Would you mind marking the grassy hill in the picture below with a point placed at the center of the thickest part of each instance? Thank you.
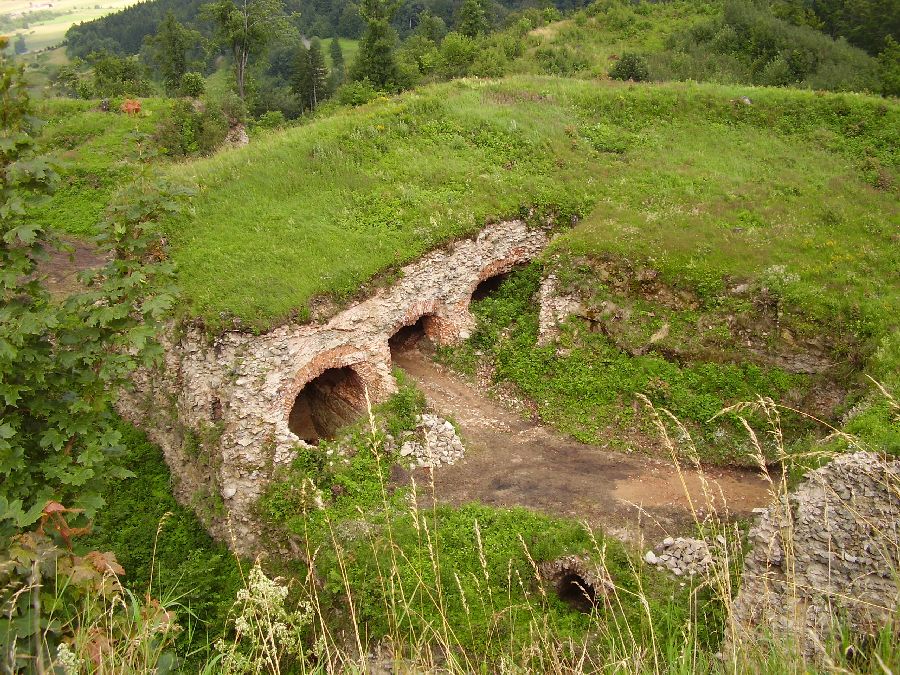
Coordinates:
(325, 207)
(730, 41)
(95, 153)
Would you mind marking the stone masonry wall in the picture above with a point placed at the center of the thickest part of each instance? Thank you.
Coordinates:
(220, 411)
(829, 552)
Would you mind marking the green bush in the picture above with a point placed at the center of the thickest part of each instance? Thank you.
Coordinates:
(193, 85)
(748, 43)
(355, 93)
(630, 67)
(191, 130)
(271, 119)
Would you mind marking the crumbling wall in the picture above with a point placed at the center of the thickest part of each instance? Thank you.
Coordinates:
(221, 410)
(829, 552)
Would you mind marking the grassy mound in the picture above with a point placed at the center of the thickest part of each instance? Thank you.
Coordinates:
(324, 208)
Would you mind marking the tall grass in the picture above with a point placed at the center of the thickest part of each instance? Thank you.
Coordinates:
(615, 640)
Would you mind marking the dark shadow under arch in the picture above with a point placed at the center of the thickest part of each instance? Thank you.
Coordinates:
(326, 403)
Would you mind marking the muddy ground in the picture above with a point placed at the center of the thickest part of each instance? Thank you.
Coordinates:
(511, 461)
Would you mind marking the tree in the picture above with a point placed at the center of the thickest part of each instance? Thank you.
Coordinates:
(116, 75)
(472, 20)
(169, 50)
(337, 64)
(310, 75)
(246, 27)
(62, 362)
(376, 60)
(889, 68)
(431, 27)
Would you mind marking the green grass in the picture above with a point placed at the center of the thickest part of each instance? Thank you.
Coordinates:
(325, 207)
(186, 565)
(419, 571)
(95, 153)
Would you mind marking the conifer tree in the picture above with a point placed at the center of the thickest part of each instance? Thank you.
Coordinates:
(310, 76)
(376, 60)
(337, 64)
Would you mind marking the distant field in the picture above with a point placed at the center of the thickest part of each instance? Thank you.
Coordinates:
(51, 31)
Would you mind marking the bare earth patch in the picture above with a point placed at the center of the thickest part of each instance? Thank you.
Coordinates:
(511, 461)
(60, 271)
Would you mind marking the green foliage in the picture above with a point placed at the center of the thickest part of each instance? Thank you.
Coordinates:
(192, 85)
(376, 60)
(116, 76)
(403, 408)
(630, 67)
(338, 69)
(587, 386)
(246, 29)
(273, 119)
(162, 545)
(169, 50)
(889, 67)
(753, 44)
(61, 364)
(472, 19)
(356, 93)
(310, 76)
(185, 130)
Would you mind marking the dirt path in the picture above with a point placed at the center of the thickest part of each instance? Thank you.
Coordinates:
(61, 269)
(514, 462)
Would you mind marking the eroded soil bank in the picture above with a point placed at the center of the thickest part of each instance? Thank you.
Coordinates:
(511, 461)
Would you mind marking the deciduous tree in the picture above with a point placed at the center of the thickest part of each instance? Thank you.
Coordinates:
(246, 27)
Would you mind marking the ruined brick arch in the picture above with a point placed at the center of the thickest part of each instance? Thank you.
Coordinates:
(435, 319)
(330, 389)
(496, 270)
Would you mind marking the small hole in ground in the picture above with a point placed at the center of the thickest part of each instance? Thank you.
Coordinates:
(325, 404)
(576, 592)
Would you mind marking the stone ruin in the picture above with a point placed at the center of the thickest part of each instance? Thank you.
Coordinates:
(830, 552)
(578, 581)
(433, 443)
(228, 411)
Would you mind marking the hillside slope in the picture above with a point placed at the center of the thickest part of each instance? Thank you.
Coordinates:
(323, 208)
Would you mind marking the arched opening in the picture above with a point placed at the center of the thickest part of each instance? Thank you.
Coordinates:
(576, 592)
(412, 336)
(326, 403)
(487, 287)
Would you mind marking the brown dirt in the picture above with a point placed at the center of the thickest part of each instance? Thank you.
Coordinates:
(60, 270)
(511, 461)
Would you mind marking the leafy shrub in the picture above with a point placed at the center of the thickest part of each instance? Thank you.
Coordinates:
(193, 85)
(630, 67)
(889, 68)
(189, 130)
(359, 92)
(458, 53)
(755, 46)
(271, 119)
(561, 60)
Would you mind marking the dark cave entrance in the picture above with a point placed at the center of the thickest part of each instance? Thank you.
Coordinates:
(326, 403)
(491, 285)
(576, 592)
(412, 336)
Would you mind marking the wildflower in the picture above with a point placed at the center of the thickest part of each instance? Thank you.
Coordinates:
(67, 660)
